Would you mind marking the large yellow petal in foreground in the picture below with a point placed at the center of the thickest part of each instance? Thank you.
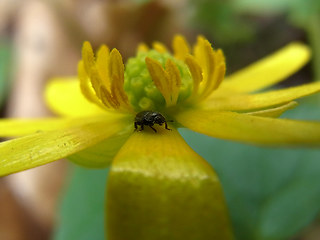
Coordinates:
(251, 129)
(157, 191)
(102, 154)
(269, 70)
(261, 100)
(44, 147)
(64, 97)
(21, 127)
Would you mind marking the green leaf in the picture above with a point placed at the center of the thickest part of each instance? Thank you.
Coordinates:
(271, 193)
(300, 11)
(220, 20)
(5, 60)
(81, 210)
(262, 6)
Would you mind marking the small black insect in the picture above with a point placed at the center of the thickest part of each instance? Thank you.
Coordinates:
(149, 118)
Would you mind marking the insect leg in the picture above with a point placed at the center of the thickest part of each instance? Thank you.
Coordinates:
(153, 128)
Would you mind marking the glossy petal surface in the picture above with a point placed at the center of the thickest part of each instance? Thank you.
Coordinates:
(275, 111)
(157, 191)
(251, 129)
(269, 70)
(20, 127)
(64, 97)
(261, 100)
(101, 154)
(44, 147)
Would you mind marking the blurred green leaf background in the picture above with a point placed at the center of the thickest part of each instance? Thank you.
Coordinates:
(5, 66)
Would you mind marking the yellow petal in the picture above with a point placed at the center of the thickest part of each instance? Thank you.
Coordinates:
(180, 47)
(274, 112)
(64, 97)
(262, 100)
(102, 154)
(251, 129)
(159, 188)
(44, 147)
(269, 70)
(21, 127)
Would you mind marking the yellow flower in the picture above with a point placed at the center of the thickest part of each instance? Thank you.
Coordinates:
(158, 186)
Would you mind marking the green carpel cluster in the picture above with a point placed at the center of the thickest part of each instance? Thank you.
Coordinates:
(141, 90)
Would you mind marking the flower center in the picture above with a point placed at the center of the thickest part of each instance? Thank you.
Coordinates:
(141, 90)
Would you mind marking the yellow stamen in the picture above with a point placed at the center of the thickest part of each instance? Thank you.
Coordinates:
(168, 81)
(142, 47)
(88, 57)
(107, 99)
(180, 47)
(85, 85)
(161, 48)
(196, 73)
(102, 63)
(95, 80)
(213, 84)
(106, 75)
(175, 80)
(117, 76)
(219, 75)
(205, 56)
(159, 77)
(213, 67)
